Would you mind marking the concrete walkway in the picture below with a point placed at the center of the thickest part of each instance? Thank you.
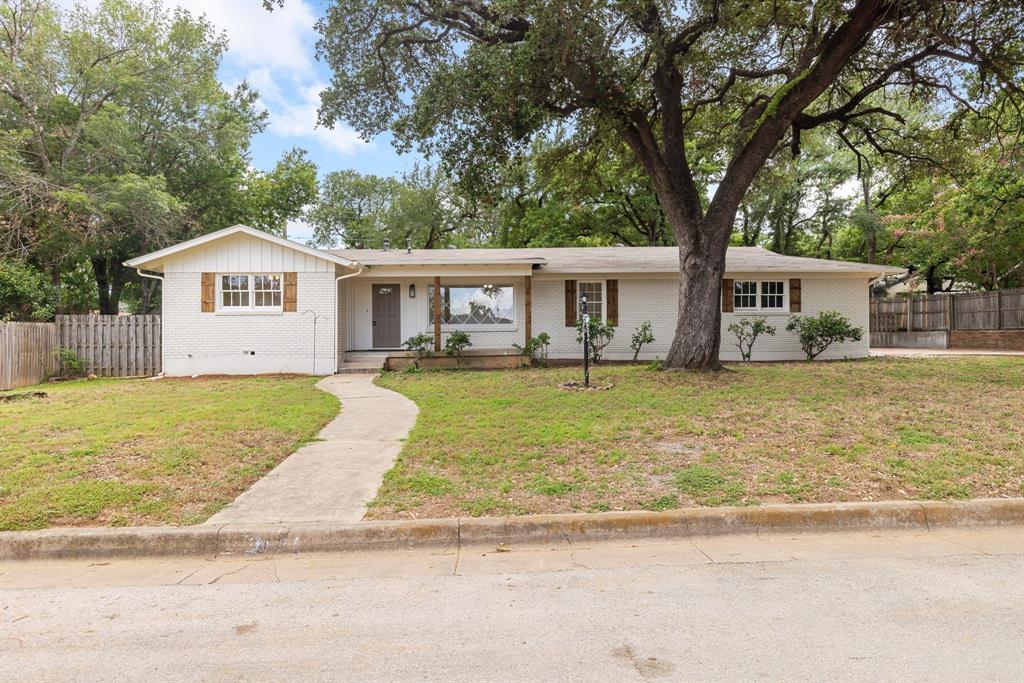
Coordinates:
(332, 480)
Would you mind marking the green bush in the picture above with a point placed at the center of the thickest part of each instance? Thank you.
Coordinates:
(818, 332)
(25, 293)
(420, 344)
(747, 331)
(601, 334)
(536, 347)
(642, 335)
(71, 365)
(456, 343)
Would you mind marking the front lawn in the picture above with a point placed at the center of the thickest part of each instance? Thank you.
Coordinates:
(171, 451)
(512, 442)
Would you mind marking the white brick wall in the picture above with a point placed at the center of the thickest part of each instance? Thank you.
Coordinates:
(656, 300)
(213, 343)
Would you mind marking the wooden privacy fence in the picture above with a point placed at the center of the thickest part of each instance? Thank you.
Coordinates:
(105, 345)
(28, 353)
(112, 345)
(1001, 309)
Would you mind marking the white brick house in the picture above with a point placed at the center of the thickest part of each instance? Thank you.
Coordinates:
(240, 301)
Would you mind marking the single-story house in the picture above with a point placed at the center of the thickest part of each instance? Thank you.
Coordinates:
(243, 301)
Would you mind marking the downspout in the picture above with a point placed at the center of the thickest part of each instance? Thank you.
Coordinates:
(359, 271)
(161, 279)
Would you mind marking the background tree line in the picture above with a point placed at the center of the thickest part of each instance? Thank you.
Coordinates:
(952, 213)
(118, 139)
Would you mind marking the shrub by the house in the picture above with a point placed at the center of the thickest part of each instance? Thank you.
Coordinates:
(642, 335)
(420, 345)
(818, 332)
(601, 333)
(536, 347)
(455, 344)
(747, 331)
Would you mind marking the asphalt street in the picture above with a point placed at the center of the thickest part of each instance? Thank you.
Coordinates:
(852, 606)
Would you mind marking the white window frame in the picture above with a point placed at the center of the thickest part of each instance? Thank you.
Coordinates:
(758, 293)
(604, 298)
(474, 327)
(252, 307)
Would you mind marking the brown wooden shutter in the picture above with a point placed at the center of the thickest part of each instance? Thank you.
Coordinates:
(290, 293)
(208, 296)
(612, 290)
(570, 303)
(726, 295)
(794, 295)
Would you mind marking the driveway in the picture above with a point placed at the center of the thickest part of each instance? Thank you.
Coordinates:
(927, 353)
(332, 479)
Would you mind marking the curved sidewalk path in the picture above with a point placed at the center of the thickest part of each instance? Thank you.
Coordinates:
(333, 479)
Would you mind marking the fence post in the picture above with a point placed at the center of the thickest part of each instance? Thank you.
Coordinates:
(910, 313)
(999, 309)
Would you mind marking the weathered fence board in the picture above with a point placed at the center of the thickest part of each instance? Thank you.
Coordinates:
(996, 310)
(977, 312)
(113, 346)
(1012, 309)
(999, 310)
(28, 353)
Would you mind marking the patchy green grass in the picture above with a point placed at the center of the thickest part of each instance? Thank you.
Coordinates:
(124, 452)
(512, 442)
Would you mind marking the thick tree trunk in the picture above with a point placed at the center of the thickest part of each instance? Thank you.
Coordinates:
(148, 289)
(110, 278)
(698, 326)
(933, 281)
(55, 280)
(117, 282)
(99, 271)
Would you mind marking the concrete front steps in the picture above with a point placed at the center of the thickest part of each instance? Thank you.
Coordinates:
(359, 362)
(360, 367)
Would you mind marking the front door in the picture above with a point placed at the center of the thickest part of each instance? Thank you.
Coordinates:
(387, 319)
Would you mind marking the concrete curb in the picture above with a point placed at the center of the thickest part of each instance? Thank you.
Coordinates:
(257, 539)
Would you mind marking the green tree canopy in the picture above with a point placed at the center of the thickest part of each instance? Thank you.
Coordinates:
(703, 92)
(119, 139)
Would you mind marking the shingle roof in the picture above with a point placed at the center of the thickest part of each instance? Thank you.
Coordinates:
(153, 258)
(605, 259)
(431, 257)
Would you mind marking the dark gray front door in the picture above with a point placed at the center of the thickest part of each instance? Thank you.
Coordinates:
(387, 319)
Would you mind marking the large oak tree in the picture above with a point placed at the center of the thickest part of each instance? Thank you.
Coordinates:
(685, 84)
(116, 138)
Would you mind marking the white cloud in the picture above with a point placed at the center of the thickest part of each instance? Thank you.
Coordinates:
(299, 230)
(275, 51)
(282, 39)
(296, 117)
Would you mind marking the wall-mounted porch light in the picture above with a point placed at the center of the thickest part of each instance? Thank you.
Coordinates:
(412, 291)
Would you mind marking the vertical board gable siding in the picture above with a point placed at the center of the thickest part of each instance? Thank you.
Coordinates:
(245, 254)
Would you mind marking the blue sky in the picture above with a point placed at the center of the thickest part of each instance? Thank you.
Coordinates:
(276, 53)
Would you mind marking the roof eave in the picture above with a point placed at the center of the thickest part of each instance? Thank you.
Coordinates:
(155, 258)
